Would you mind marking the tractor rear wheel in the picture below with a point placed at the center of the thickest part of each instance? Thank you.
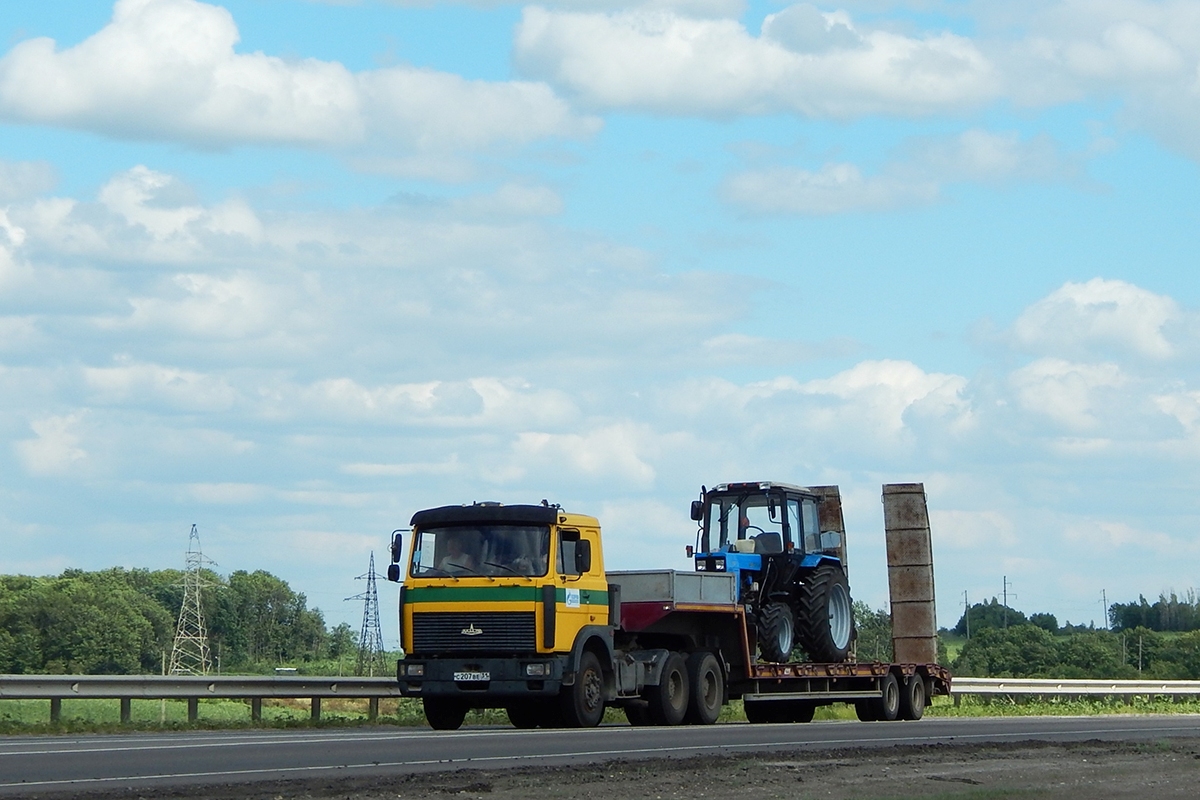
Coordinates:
(776, 632)
(825, 614)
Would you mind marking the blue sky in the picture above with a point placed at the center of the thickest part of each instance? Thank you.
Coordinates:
(292, 270)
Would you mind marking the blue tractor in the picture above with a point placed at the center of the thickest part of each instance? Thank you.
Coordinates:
(790, 572)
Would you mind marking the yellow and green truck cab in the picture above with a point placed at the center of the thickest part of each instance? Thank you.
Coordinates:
(501, 605)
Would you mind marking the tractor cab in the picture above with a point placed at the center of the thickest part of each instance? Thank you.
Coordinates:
(741, 523)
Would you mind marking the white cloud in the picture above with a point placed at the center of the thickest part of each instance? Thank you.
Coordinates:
(1099, 316)
(1064, 391)
(664, 62)
(22, 179)
(833, 189)
(916, 175)
(55, 450)
(169, 69)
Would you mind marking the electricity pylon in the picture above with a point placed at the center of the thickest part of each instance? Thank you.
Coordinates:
(370, 638)
(190, 654)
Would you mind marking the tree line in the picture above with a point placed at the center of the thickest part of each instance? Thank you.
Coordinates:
(1005, 643)
(122, 621)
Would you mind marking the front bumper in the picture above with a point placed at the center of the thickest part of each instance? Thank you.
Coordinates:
(507, 677)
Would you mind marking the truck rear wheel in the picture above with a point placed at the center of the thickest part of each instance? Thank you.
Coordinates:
(668, 702)
(776, 632)
(707, 683)
(583, 702)
(444, 713)
(825, 615)
(912, 698)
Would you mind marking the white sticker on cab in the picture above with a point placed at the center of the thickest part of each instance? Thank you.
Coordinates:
(572, 598)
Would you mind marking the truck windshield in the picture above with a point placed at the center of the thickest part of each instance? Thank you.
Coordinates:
(493, 550)
(747, 516)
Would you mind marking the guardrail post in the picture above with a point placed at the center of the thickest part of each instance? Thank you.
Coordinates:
(373, 709)
(316, 709)
(957, 699)
(193, 709)
(256, 709)
(126, 710)
(55, 710)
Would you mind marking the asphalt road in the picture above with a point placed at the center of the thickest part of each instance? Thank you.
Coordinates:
(66, 764)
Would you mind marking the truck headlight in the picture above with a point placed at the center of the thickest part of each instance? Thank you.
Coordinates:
(537, 670)
(414, 670)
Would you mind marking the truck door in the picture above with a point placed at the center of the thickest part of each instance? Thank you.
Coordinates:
(582, 587)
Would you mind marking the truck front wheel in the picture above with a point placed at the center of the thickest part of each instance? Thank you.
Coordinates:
(444, 713)
(668, 702)
(583, 703)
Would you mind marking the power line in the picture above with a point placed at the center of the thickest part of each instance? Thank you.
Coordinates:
(190, 654)
(370, 639)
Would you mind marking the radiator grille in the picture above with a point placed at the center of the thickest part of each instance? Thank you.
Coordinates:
(505, 631)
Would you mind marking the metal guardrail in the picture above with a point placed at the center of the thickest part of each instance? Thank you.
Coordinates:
(192, 688)
(1072, 687)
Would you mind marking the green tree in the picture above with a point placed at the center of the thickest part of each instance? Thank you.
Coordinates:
(874, 641)
(992, 614)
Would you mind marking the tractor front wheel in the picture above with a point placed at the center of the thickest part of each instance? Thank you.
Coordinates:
(776, 632)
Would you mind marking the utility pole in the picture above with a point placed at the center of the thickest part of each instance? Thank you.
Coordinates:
(967, 613)
(190, 654)
(370, 638)
(1006, 585)
(1104, 600)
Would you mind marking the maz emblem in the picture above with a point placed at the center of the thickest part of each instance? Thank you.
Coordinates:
(471, 630)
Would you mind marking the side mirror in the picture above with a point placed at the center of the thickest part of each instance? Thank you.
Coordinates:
(583, 556)
(697, 510)
(393, 574)
(772, 509)
(397, 547)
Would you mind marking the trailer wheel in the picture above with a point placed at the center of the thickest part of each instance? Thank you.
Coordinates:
(776, 632)
(801, 711)
(887, 707)
(444, 713)
(583, 703)
(865, 711)
(525, 715)
(707, 684)
(668, 702)
(825, 614)
(912, 699)
(760, 712)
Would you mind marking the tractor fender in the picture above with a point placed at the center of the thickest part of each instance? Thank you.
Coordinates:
(814, 560)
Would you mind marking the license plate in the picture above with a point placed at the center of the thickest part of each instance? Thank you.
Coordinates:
(472, 676)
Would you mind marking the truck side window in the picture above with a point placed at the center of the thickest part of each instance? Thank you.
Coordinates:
(565, 560)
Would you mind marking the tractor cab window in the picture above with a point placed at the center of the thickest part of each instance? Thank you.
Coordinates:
(812, 531)
(754, 518)
(474, 550)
